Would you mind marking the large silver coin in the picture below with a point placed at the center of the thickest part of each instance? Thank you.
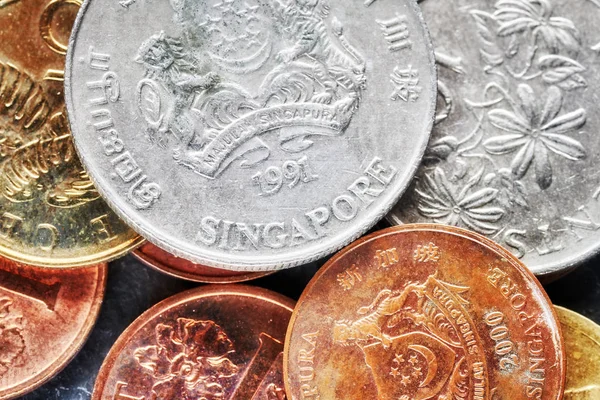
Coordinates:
(515, 154)
(251, 134)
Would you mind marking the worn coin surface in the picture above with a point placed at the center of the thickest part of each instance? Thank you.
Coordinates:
(211, 343)
(165, 262)
(582, 347)
(251, 135)
(45, 318)
(514, 153)
(50, 213)
(422, 312)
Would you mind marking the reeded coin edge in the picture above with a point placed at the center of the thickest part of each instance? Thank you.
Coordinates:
(51, 371)
(177, 300)
(291, 258)
(482, 240)
(190, 276)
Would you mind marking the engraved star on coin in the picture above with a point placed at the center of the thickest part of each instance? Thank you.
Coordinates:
(405, 380)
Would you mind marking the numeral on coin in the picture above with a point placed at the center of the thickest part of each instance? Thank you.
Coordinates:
(31, 288)
(266, 355)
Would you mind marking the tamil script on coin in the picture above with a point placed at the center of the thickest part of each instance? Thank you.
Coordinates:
(513, 155)
(255, 134)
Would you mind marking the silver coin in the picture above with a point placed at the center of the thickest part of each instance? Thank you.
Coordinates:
(514, 153)
(251, 134)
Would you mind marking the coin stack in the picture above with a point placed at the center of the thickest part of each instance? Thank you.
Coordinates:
(410, 173)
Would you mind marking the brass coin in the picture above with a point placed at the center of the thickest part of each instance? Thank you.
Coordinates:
(50, 212)
(45, 318)
(421, 312)
(582, 346)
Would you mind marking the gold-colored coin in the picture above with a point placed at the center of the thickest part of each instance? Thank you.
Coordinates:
(50, 212)
(582, 346)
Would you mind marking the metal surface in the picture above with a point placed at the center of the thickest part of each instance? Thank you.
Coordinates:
(165, 262)
(421, 312)
(251, 135)
(51, 215)
(45, 318)
(129, 282)
(214, 342)
(582, 346)
(514, 153)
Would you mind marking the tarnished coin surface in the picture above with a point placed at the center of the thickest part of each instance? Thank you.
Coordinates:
(165, 262)
(50, 213)
(251, 135)
(222, 342)
(45, 318)
(582, 347)
(514, 154)
(424, 312)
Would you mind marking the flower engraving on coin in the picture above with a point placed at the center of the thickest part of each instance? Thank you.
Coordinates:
(212, 120)
(464, 206)
(189, 361)
(528, 124)
(29, 161)
(533, 131)
(12, 342)
(411, 343)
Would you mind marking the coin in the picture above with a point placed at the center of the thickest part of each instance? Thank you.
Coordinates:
(513, 155)
(213, 342)
(251, 135)
(421, 312)
(165, 262)
(50, 213)
(45, 317)
(582, 346)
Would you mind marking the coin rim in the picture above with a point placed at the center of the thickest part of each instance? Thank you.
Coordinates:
(195, 277)
(72, 350)
(452, 230)
(293, 257)
(182, 298)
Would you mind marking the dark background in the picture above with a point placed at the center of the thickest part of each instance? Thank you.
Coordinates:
(133, 288)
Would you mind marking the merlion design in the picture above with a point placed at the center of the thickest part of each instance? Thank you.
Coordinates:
(417, 342)
(197, 97)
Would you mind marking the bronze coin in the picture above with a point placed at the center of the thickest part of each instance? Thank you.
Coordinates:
(424, 312)
(166, 262)
(212, 343)
(582, 345)
(45, 318)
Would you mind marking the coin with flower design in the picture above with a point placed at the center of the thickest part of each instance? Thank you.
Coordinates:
(513, 155)
(424, 312)
(211, 343)
(51, 214)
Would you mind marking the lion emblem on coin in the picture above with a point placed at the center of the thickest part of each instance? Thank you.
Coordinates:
(190, 360)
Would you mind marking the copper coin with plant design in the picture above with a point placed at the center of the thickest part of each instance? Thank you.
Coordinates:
(424, 312)
(168, 263)
(210, 343)
(50, 212)
(45, 317)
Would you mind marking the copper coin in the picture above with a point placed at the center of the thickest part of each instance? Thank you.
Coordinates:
(210, 343)
(45, 318)
(424, 312)
(166, 262)
(582, 344)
